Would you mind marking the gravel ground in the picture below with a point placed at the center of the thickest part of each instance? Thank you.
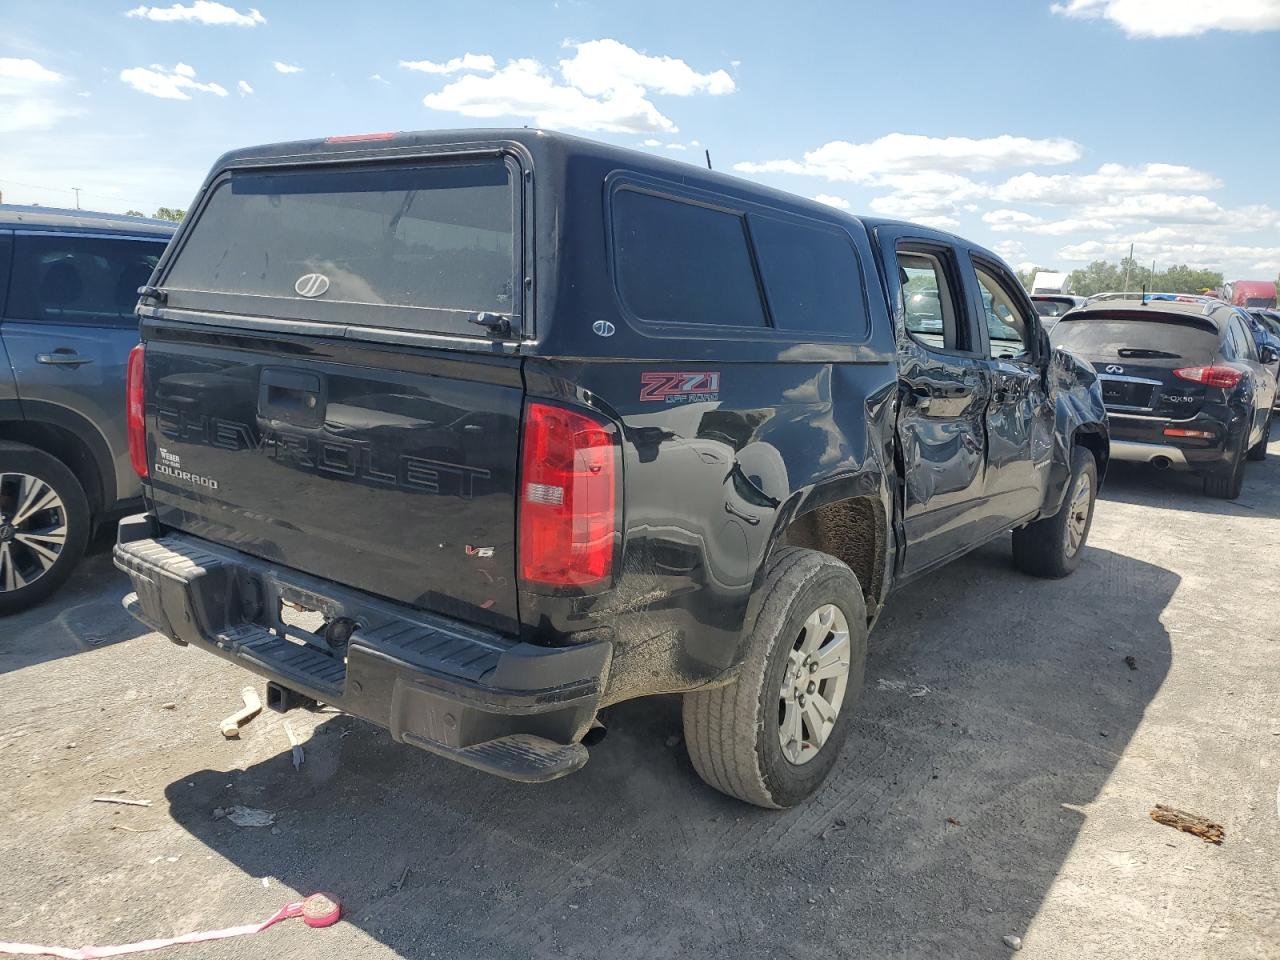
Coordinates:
(997, 783)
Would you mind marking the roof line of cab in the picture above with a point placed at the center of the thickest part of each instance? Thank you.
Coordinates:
(19, 215)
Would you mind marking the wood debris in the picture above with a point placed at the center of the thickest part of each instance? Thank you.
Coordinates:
(1206, 830)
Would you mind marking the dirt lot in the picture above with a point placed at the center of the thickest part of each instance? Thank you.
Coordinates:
(997, 782)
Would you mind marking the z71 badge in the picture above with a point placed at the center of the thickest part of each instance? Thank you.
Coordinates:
(680, 387)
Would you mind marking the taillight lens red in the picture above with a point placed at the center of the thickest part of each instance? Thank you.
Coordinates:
(568, 498)
(133, 405)
(1215, 376)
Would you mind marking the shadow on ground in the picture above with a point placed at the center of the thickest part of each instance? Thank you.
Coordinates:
(79, 617)
(948, 817)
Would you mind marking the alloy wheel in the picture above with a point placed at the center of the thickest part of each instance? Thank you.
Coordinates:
(33, 529)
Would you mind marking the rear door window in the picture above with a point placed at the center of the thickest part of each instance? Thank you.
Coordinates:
(424, 247)
(811, 277)
(677, 261)
(927, 300)
(79, 281)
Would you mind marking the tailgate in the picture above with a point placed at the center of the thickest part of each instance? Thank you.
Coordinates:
(391, 471)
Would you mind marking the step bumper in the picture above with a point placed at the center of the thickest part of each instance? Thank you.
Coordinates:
(513, 709)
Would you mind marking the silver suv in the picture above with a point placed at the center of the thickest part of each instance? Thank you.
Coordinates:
(68, 287)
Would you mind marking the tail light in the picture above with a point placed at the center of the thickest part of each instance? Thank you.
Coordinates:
(133, 406)
(1215, 376)
(569, 472)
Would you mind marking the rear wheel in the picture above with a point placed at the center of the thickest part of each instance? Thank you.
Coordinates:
(1053, 547)
(44, 525)
(1259, 450)
(1228, 484)
(771, 737)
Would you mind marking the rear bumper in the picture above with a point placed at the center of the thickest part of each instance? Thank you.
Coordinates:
(1142, 439)
(512, 709)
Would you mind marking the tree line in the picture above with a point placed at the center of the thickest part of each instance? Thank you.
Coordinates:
(164, 213)
(1127, 274)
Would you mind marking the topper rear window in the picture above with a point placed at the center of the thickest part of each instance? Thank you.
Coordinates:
(423, 247)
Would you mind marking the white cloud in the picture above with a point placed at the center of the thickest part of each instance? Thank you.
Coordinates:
(1213, 256)
(30, 96)
(897, 153)
(16, 68)
(840, 203)
(479, 62)
(607, 67)
(168, 84)
(1176, 18)
(244, 88)
(676, 146)
(604, 86)
(378, 78)
(525, 88)
(1159, 207)
(1109, 180)
(1060, 228)
(282, 67)
(1010, 221)
(1010, 250)
(1004, 220)
(650, 142)
(201, 11)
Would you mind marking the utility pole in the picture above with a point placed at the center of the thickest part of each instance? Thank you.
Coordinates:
(1127, 264)
(77, 190)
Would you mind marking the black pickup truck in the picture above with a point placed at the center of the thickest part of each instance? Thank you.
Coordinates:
(474, 434)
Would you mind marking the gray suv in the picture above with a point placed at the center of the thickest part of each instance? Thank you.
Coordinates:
(68, 287)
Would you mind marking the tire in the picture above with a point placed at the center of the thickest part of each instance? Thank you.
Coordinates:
(38, 550)
(735, 733)
(1052, 547)
(1228, 484)
(1258, 451)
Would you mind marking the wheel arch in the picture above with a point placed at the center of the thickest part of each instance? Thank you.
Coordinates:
(81, 449)
(847, 519)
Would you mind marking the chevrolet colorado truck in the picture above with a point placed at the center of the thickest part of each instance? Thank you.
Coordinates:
(474, 434)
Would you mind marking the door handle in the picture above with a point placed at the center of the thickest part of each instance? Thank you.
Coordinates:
(63, 358)
(921, 398)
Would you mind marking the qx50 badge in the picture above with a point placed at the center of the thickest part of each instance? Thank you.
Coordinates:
(312, 285)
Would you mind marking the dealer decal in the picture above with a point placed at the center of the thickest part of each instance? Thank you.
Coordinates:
(680, 387)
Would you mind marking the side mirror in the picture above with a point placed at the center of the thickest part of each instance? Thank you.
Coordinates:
(1269, 356)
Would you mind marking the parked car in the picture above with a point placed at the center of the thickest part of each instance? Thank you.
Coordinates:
(1262, 336)
(66, 329)
(536, 425)
(1051, 306)
(1185, 384)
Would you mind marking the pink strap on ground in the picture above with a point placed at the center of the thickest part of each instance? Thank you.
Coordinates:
(317, 910)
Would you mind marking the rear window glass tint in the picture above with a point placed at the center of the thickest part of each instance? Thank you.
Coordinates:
(811, 277)
(1105, 338)
(79, 280)
(679, 262)
(439, 237)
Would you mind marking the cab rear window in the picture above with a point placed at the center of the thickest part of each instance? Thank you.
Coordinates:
(423, 247)
(682, 261)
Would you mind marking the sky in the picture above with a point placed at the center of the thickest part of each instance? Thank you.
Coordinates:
(1054, 133)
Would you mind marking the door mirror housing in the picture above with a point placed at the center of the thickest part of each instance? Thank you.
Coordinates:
(1044, 349)
(1269, 355)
